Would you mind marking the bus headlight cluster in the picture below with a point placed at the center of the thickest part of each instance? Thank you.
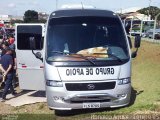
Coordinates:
(124, 81)
(54, 83)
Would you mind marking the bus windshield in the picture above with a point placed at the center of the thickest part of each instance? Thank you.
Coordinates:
(96, 38)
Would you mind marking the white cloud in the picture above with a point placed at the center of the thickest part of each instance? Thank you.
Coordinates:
(35, 2)
(11, 5)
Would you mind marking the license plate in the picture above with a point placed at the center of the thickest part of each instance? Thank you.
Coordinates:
(91, 105)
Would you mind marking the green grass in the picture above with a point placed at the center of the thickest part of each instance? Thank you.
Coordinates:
(28, 117)
(146, 75)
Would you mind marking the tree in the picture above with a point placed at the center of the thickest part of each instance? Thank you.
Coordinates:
(30, 16)
(16, 21)
(152, 10)
(42, 21)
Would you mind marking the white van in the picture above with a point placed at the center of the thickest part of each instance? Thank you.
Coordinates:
(85, 61)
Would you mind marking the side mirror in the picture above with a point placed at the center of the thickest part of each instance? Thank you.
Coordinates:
(33, 47)
(130, 42)
(39, 56)
(137, 41)
(134, 54)
(127, 28)
(137, 44)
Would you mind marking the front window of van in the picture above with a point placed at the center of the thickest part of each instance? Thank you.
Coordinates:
(84, 39)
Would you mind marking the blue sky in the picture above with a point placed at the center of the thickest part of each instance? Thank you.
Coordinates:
(18, 7)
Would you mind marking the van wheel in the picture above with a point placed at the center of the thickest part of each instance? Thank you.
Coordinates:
(62, 112)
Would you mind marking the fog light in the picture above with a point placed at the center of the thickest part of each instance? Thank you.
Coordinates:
(124, 81)
(120, 96)
(58, 98)
(55, 98)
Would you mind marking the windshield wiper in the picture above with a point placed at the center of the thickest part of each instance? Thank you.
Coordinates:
(84, 57)
(79, 55)
(112, 55)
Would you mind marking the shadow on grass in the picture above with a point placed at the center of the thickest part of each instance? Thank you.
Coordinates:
(60, 113)
(134, 94)
(23, 92)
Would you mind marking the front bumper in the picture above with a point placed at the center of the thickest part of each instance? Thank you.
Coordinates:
(59, 98)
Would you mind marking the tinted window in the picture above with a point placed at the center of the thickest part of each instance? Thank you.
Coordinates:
(27, 33)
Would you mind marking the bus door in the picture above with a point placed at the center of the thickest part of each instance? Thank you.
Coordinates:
(30, 69)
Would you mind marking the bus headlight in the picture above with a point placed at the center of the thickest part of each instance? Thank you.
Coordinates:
(54, 83)
(124, 81)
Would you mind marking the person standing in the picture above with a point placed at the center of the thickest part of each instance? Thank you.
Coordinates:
(6, 65)
(12, 47)
(5, 45)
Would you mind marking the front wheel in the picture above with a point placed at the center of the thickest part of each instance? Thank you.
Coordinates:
(62, 112)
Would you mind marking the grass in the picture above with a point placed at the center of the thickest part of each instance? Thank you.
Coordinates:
(28, 117)
(146, 92)
(146, 75)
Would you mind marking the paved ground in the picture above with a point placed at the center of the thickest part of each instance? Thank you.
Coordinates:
(23, 97)
(26, 97)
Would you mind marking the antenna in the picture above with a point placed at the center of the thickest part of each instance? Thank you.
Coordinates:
(149, 7)
(82, 5)
(56, 4)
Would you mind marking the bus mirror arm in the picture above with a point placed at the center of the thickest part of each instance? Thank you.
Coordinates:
(38, 55)
(137, 44)
(32, 43)
(134, 54)
(130, 42)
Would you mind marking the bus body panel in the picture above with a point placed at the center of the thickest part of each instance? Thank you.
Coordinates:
(87, 73)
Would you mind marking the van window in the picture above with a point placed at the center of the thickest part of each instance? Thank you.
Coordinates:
(25, 33)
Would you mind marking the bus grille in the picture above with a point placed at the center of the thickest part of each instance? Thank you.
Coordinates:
(90, 86)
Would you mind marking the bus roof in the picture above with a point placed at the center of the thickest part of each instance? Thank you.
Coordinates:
(82, 12)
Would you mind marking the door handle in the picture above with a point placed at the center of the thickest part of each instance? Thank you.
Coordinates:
(22, 63)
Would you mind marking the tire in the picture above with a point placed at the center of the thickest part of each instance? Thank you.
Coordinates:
(62, 112)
